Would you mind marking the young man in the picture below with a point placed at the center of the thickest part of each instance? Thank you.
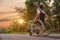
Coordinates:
(41, 15)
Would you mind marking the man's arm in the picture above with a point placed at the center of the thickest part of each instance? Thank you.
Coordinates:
(37, 16)
(46, 16)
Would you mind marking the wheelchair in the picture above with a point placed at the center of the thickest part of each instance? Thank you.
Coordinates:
(39, 28)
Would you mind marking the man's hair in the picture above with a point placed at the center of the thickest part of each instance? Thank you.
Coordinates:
(41, 6)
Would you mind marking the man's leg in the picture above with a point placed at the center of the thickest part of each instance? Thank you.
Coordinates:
(42, 28)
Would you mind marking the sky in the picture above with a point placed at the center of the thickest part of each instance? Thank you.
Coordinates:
(7, 6)
(11, 4)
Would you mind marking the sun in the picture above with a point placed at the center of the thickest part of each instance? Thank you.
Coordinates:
(21, 21)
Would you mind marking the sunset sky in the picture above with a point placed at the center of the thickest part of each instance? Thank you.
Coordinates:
(7, 6)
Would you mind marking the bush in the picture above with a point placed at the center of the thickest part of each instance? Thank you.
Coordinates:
(9, 30)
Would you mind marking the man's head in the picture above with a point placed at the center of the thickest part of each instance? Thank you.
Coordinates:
(41, 6)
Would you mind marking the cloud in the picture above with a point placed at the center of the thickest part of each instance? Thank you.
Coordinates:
(6, 20)
(11, 12)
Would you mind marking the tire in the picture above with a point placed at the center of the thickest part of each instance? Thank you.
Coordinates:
(48, 29)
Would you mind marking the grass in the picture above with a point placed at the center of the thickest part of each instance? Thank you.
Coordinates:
(18, 33)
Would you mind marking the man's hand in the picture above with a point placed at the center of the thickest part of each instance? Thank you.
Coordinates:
(34, 20)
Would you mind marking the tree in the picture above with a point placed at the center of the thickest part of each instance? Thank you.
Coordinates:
(56, 11)
(57, 6)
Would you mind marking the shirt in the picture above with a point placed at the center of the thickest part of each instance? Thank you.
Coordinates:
(42, 13)
(40, 10)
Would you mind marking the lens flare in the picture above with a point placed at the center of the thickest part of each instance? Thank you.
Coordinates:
(21, 21)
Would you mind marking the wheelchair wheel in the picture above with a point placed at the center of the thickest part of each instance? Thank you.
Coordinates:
(48, 29)
(35, 27)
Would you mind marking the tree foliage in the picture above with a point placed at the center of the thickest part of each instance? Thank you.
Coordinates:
(57, 6)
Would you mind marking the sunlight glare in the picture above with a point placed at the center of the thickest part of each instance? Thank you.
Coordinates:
(21, 21)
